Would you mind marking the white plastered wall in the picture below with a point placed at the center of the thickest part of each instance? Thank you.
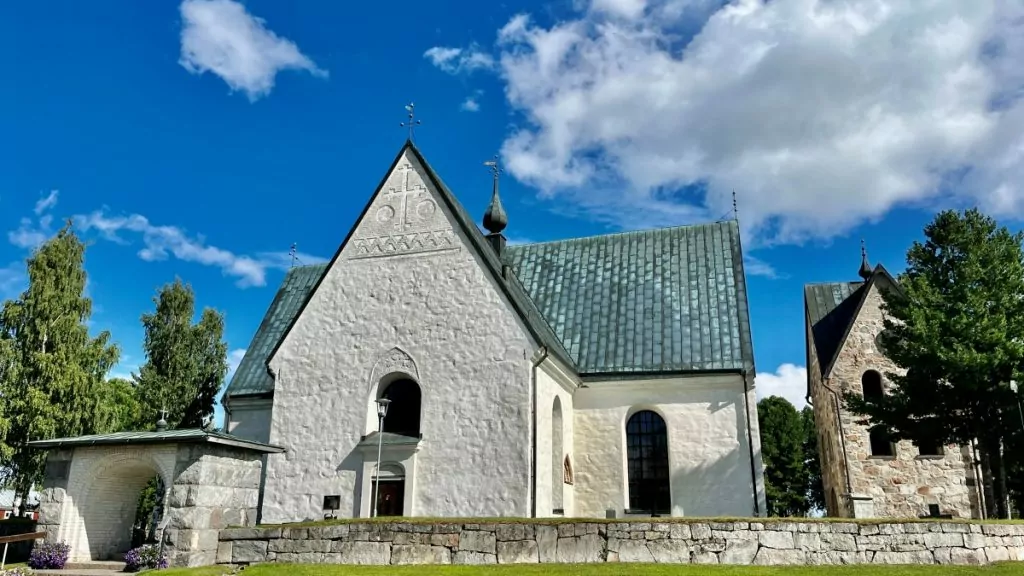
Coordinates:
(554, 381)
(104, 485)
(408, 280)
(249, 418)
(709, 454)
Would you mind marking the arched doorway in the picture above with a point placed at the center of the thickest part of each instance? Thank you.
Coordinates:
(121, 510)
(403, 416)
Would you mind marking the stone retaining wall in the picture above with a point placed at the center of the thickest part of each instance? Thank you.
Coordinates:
(669, 542)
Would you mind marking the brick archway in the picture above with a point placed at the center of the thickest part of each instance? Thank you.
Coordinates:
(93, 483)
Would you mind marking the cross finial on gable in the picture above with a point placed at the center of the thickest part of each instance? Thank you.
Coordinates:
(412, 122)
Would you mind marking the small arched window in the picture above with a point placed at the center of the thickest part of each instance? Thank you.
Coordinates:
(871, 385)
(871, 388)
(647, 461)
(403, 415)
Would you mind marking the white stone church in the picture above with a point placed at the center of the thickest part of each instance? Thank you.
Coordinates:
(607, 376)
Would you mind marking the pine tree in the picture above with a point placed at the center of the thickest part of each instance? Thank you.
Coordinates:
(782, 450)
(956, 326)
(53, 366)
(185, 363)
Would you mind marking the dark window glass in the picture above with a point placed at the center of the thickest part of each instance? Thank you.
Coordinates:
(403, 415)
(647, 459)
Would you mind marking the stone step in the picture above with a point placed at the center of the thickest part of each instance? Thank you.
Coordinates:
(110, 565)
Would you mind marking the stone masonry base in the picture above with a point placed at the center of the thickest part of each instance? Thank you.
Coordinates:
(766, 543)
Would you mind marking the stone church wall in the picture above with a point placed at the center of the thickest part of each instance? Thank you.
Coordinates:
(709, 455)
(770, 543)
(830, 447)
(406, 279)
(904, 485)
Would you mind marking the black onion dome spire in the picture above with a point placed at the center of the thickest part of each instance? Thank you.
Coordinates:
(495, 218)
(865, 267)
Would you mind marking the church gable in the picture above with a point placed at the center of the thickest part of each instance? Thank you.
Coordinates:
(404, 217)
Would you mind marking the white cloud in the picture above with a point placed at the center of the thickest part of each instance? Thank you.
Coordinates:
(222, 37)
(821, 115)
(161, 242)
(33, 232)
(472, 102)
(458, 60)
(788, 381)
(757, 267)
(234, 359)
(47, 202)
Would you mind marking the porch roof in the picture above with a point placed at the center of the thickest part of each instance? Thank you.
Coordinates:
(184, 436)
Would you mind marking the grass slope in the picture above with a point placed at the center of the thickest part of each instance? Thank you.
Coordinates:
(1004, 569)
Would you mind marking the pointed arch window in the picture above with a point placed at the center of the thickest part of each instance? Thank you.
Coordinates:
(647, 463)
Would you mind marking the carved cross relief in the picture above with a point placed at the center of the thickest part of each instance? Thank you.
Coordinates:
(408, 203)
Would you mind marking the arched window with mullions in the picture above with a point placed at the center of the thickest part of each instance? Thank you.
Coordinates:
(647, 463)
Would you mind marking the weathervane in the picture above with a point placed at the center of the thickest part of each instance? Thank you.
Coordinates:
(412, 123)
(735, 210)
(494, 166)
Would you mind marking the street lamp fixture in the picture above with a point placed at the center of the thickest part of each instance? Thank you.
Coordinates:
(382, 411)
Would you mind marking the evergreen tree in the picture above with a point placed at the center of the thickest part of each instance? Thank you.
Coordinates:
(185, 363)
(956, 325)
(812, 463)
(52, 367)
(782, 450)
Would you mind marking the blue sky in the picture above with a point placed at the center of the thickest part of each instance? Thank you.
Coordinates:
(200, 139)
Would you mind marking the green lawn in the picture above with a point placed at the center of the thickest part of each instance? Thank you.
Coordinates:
(1006, 569)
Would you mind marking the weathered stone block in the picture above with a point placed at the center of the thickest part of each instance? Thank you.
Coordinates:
(777, 540)
(518, 552)
(506, 532)
(773, 556)
(474, 541)
(631, 550)
(224, 552)
(668, 551)
(738, 552)
(914, 557)
(547, 543)
(463, 557)
(364, 552)
(248, 551)
(420, 554)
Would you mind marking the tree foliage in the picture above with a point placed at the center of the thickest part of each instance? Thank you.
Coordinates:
(50, 367)
(185, 363)
(812, 463)
(117, 407)
(956, 326)
(782, 450)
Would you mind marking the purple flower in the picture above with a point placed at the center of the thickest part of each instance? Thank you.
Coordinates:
(49, 556)
(144, 557)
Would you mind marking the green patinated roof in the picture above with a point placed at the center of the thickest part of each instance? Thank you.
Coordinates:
(251, 376)
(184, 436)
(666, 300)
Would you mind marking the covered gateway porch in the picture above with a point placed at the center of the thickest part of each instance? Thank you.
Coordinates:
(209, 481)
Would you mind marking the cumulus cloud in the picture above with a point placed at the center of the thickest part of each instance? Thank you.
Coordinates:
(459, 60)
(472, 102)
(222, 37)
(161, 242)
(820, 115)
(13, 280)
(789, 381)
(32, 232)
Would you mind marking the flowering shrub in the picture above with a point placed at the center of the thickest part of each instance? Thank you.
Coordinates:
(49, 556)
(145, 557)
(16, 572)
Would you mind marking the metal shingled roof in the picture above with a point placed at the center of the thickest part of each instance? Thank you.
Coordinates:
(665, 300)
(251, 376)
(831, 307)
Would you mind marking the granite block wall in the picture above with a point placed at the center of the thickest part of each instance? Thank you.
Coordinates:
(758, 543)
